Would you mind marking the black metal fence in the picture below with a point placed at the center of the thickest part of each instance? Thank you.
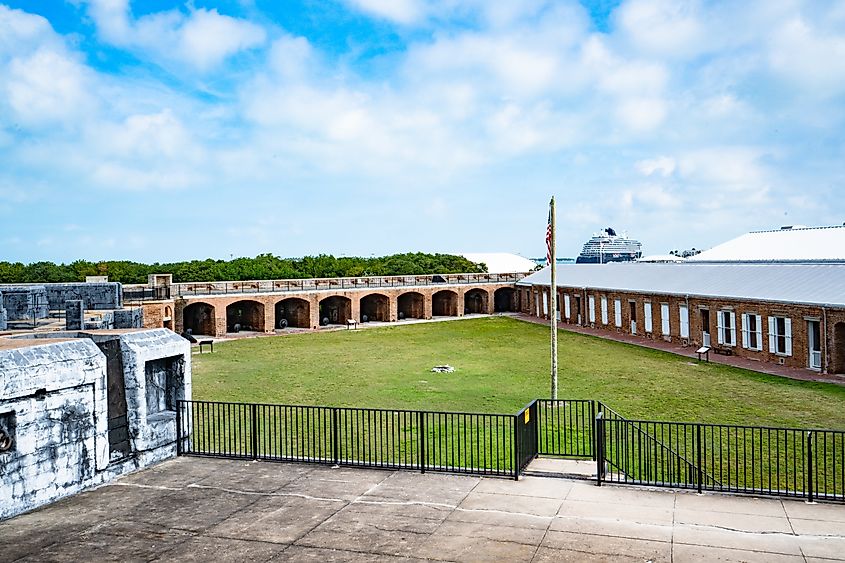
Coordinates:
(705, 457)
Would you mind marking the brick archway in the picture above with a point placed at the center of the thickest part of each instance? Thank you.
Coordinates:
(245, 315)
(444, 303)
(504, 300)
(475, 301)
(293, 312)
(336, 310)
(198, 318)
(375, 307)
(411, 305)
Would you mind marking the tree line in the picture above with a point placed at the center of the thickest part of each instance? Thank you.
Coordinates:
(262, 267)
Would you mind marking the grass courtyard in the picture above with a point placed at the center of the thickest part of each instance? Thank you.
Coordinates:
(501, 364)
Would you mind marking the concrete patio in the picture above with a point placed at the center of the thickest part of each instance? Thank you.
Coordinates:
(195, 509)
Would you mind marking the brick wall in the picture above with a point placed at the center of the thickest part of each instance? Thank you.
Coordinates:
(832, 343)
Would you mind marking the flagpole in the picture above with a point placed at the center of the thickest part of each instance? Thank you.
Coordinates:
(553, 299)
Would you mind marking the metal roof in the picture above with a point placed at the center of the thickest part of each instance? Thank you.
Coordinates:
(501, 262)
(812, 284)
(789, 244)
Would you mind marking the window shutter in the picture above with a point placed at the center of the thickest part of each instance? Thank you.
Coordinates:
(720, 327)
(772, 336)
(648, 322)
(567, 311)
(759, 326)
(745, 338)
(788, 324)
(617, 312)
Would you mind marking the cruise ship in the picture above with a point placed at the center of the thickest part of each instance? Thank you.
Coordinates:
(607, 246)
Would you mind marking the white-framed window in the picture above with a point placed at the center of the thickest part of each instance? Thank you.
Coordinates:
(604, 310)
(647, 317)
(752, 332)
(617, 313)
(567, 311)
(684, 315)
(726, 325)
(664, 318)
(545, 304)
(780, 336)
(592, 313)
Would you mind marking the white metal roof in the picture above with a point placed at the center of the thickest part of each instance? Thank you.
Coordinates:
(801, 244)
(814, 284)
(501, 262)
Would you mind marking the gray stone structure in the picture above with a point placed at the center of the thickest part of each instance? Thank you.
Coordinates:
(129, 318)
(25, 302)
(97, 296)
(82, 408)
(74, 315)
(3, 316)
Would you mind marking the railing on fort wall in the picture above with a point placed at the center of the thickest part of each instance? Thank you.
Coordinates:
(712, 457)
(135, 293)
(322, 284)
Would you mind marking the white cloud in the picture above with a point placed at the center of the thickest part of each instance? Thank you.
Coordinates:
(399, 11)
(662, 165)
(665, 28)
(812, 57)
(202, 38)
(46, 87)
(21, 31)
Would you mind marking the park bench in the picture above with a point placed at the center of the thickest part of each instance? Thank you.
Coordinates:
(209, 343)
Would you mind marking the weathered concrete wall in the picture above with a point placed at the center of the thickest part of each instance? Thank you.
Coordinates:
(74, 315)
(129, 318)
(25, 302)
(54, 400)
(96, 296)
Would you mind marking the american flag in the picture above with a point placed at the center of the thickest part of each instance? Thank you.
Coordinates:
(549, 239)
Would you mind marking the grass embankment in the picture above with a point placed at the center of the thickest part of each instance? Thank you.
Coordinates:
(501, 364)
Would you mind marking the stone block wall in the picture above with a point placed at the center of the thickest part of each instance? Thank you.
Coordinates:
(74, 315)
(129, 318)
(25, 302)
(96, 296)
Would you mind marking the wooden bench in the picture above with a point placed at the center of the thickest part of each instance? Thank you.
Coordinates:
(724, 351)
(209, 343)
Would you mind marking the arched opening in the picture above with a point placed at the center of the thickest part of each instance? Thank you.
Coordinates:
(335, 310)
(245, 315)
(839, 348)
(475, 302)
(444, 303)
(375, 307)
(198, 318)
(293, 312)
(504, 300)
(167, 319)
(411, 305)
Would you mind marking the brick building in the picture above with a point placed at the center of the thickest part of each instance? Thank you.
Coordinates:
(789, 314)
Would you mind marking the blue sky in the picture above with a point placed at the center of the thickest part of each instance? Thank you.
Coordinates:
(159, 130)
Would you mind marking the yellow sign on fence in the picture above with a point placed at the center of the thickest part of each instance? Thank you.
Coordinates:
(527, 415)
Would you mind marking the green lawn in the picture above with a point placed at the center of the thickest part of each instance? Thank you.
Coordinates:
(501, 364)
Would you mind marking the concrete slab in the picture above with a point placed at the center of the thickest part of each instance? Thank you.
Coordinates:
(193, 509)
(730, 521)
(683, 552)
(609, 547)
(711, 502)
